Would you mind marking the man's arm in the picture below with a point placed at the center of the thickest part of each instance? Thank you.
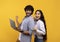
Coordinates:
(30, 27)
(25, 32)
(18, 25)
(17, 29)
(17, 21)
(31, 23)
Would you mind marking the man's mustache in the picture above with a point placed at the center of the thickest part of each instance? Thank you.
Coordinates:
(28, 13)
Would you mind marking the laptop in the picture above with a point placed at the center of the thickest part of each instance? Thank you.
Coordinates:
(12, 23)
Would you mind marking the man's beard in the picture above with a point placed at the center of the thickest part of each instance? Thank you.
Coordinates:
(28, 14)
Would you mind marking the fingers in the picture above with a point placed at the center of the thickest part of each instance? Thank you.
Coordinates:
(16, 17)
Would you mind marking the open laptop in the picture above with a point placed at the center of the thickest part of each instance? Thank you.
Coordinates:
(12, 23)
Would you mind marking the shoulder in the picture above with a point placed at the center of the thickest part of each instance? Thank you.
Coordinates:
(40, 22)
(31, 18)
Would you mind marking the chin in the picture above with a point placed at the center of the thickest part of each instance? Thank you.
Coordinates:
(37, 19)
(28, 14)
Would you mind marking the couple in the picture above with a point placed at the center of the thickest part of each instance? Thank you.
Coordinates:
(31, 25)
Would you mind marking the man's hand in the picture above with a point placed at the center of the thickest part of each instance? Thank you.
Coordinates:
(16, 18)
(17, 21)
(26, 32)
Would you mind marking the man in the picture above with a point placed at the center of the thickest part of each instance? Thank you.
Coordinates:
(27, 25)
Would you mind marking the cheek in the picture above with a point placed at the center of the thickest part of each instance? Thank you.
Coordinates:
(40, 16)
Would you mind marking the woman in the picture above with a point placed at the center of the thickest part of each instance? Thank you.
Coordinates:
(40, 27)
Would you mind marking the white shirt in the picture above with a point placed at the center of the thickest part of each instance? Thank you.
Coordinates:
(40, 29)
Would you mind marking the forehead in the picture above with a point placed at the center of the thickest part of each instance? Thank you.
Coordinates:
(28, 10)
(37, 12)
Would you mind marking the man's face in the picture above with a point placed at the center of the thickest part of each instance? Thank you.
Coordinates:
(28, 12)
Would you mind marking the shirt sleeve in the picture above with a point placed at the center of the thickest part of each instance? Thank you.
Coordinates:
(31, 26)
(42, 28)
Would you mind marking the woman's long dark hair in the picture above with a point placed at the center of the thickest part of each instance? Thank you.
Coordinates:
(43, 19)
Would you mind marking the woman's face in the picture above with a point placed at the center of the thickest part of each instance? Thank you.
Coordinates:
(37, 15)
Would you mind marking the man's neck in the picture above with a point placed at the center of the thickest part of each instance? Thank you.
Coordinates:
(27, 16)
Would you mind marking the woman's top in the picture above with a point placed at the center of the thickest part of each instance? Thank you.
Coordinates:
(40, 29)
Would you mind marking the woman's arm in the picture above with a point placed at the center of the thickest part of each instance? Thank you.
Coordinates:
(40, 31)
(42, 28)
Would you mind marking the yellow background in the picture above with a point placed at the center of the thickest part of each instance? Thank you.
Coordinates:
(12, 8)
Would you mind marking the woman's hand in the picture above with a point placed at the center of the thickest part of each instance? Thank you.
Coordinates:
(35, 28)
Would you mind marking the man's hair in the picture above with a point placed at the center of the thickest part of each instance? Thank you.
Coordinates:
(29, 7)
